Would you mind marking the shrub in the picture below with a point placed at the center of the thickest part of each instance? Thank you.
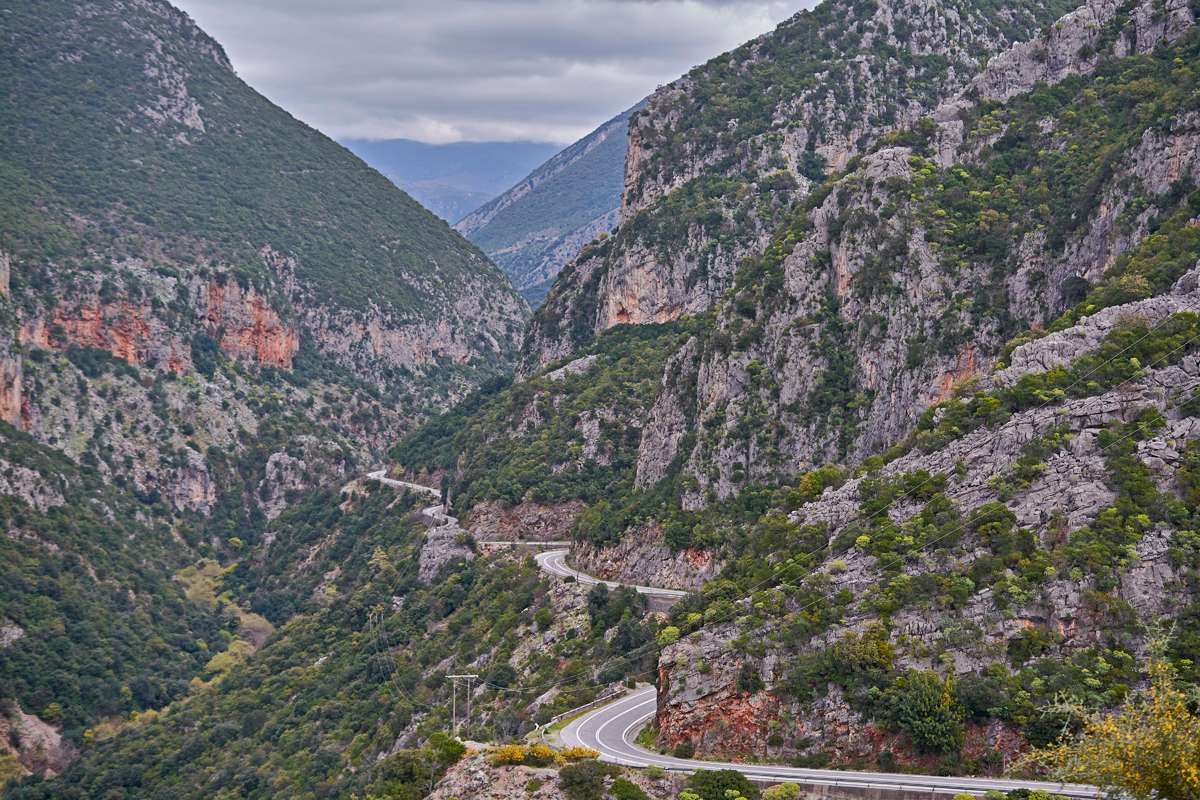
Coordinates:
(713, 784)
(577, 753)
(509, 754)
(584, 780)
(622, 789)
(924, 706)
(784, 791)
(686, 749)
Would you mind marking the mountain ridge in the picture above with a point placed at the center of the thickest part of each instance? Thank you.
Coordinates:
(538, 225)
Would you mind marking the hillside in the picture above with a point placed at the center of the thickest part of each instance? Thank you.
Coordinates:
(718, 157)
(451, 180)
(892, 363)
(540, 224)
(207, 310)
(935, 439)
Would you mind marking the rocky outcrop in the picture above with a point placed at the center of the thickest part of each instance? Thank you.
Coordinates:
(250, 327)
(1060, 348)
(699, 700)
(476, 777)
(5, 273)
(39, 747)
(643, 558)
(1073, 45)
(444, 544)
(39, 491)
(496, 521)
(11, 394)
(9, 634)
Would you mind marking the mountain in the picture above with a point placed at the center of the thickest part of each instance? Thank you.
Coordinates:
(540, 224)
(718, 157)
(913, 417)
(451, 180)
(923, 432)
(207, 310)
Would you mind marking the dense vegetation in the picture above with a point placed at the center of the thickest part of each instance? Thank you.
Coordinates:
(542, 457)
(107, 631)
(247, 175)
(356, 664)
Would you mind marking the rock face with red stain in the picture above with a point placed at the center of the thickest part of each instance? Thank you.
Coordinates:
(494, 520)
(10, 388)
(249, 327)
(643, 558)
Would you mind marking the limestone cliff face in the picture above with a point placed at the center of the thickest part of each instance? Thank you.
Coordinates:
(716, 173)
(643, 558)
(833, 362)
(717, 710)
(39, 747)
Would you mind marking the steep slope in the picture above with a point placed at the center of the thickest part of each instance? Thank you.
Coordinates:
(206, 310)
(718, 157)
(143, 153)
(929, 459)
(344, 699)
(905, 277)
(451, 180)
(540, 224)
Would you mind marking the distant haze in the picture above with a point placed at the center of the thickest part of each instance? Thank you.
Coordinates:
(473, 70)
(452, 180)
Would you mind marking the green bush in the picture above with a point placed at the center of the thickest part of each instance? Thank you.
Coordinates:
(622, 789)
(584, 780)
(925, 707)
(713, 784)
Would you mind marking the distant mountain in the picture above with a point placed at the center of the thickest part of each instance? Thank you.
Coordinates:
(537, 226)
(452, 180)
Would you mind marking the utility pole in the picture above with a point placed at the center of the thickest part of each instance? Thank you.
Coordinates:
(454, 697)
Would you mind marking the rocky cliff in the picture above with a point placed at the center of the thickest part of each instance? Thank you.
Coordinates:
(718, 156)
(897, 284)
(1023, 539)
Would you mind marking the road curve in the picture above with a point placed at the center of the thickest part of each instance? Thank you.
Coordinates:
(554, 562)
(610, 731)
(436, 512)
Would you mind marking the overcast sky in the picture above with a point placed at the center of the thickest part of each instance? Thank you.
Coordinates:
(473, 70)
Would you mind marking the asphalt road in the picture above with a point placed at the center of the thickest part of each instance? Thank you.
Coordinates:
(611, 729)
(554, 562)
(435, 512)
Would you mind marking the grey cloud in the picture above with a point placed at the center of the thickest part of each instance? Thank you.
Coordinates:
(447, 70)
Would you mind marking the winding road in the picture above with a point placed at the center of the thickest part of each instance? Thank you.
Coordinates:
(554, 562)
(610, 730)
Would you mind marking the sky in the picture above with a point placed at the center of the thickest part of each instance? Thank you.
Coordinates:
(473, 70)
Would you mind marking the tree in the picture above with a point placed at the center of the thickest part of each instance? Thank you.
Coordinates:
(784, 791)
(925, 708)
(1149, 748)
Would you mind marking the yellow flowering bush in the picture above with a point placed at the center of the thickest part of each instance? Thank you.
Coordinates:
(1149, 748)
(577, 753)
